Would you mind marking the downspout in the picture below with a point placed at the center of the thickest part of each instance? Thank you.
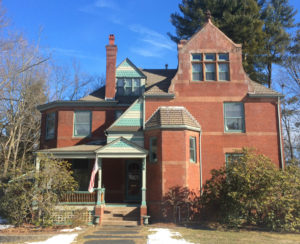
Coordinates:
(279, 132)
(200, 162)
(143, 112)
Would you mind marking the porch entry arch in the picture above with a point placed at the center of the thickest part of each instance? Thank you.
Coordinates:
(135, 159)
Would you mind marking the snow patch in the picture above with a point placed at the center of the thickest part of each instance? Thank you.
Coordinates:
(2, 227)
(71, 230)
(165, 235)
(62, 238)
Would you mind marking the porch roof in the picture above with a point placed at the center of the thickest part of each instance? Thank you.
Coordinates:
(119, 148)
(77, 151)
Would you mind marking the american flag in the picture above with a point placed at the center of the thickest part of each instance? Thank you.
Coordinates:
(93, 175)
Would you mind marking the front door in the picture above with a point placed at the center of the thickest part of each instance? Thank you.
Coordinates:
(133, 180)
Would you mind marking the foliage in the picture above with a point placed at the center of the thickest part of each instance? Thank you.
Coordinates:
(32, 196)
(252, 190)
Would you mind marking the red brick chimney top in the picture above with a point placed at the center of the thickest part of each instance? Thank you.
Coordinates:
(111, 39)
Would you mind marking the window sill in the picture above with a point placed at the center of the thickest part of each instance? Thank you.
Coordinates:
(209, 81)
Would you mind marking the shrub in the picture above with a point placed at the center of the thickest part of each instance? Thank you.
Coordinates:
(31, 197)
(251, 190)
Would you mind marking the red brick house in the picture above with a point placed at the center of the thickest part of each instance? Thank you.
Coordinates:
(152, 129)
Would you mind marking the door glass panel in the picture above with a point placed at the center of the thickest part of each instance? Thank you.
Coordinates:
(133, 181)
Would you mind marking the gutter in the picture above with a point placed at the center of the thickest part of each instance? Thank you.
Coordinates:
(159, 95)
(279, 133)
(78, 103)
(265, 95)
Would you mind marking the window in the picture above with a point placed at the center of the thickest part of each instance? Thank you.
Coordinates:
(153, 150)
(232, 157)
(50, 125)
(215, 66)
(210, 71)
(234, 120)
(193, 149)
(128, 86)
(82, 123)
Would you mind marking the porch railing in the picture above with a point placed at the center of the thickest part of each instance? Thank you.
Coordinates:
(79, 197)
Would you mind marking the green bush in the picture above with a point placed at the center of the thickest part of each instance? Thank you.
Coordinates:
(32, 196)
(252, 190)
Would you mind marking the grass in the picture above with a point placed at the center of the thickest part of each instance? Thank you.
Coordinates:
(231, 237)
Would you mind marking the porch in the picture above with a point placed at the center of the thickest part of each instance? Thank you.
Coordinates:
(121, 176)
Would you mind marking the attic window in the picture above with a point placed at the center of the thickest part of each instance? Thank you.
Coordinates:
(128, 86)
(210, 67)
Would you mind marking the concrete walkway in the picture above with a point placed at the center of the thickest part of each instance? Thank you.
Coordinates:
(115, 235)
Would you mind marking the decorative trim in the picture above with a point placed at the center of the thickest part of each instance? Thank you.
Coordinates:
(174, 127)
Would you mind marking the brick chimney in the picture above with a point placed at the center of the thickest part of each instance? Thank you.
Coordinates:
(111, 59)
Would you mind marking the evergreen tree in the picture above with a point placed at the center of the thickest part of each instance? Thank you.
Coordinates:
(238, 19)
(278, 16)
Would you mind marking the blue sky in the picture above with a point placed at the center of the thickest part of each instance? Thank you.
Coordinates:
(79, 29)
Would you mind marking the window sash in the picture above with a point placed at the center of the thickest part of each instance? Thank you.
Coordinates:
(153, 150)
(234, 118)
(50, 125)
(197, 71)
(193, 149)
(210, 71)
(83, 127)
(223, 71)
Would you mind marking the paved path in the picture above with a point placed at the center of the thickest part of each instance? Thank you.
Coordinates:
(115, 235)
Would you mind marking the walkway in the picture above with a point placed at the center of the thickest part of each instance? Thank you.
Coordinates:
(115, 235)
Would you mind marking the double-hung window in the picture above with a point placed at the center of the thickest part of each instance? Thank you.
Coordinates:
(50, 125)
(153, 150)
(193, 155)
(234, 118)
(82, 123)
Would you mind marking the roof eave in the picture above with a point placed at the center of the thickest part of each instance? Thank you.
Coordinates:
(159, 95)
(78, 103)
(174, 127)
(265, 95)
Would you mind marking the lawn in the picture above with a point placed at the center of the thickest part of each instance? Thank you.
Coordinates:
(231, 237)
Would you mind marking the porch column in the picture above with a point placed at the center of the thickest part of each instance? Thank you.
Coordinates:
(99, 193)
(144, 182)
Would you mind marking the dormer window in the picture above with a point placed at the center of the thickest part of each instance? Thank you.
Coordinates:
(128, 87)
(215, 66)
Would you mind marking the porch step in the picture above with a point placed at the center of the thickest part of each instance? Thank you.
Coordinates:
(121, 215)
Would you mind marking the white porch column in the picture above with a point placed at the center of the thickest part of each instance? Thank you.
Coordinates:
(144, 182)
(99, 193)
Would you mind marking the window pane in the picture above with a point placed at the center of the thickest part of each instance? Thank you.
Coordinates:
(82, 123)
(82, 117)
(136, 86)
(81, 129)
(210, 56)
(233, 110)
(223, 72)
(153, 149)
(120, 83)
(50, 125)
(192, 149)
(197, 56)
(197, 72)
(233, 157)
(234, 124)
(223, 57)
(210, 71)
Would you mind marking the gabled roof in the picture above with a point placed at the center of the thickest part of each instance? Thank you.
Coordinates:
(176, 117)
(121, 147)
(127, 69)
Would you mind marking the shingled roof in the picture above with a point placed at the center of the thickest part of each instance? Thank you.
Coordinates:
(172, 117)
(159, 80)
